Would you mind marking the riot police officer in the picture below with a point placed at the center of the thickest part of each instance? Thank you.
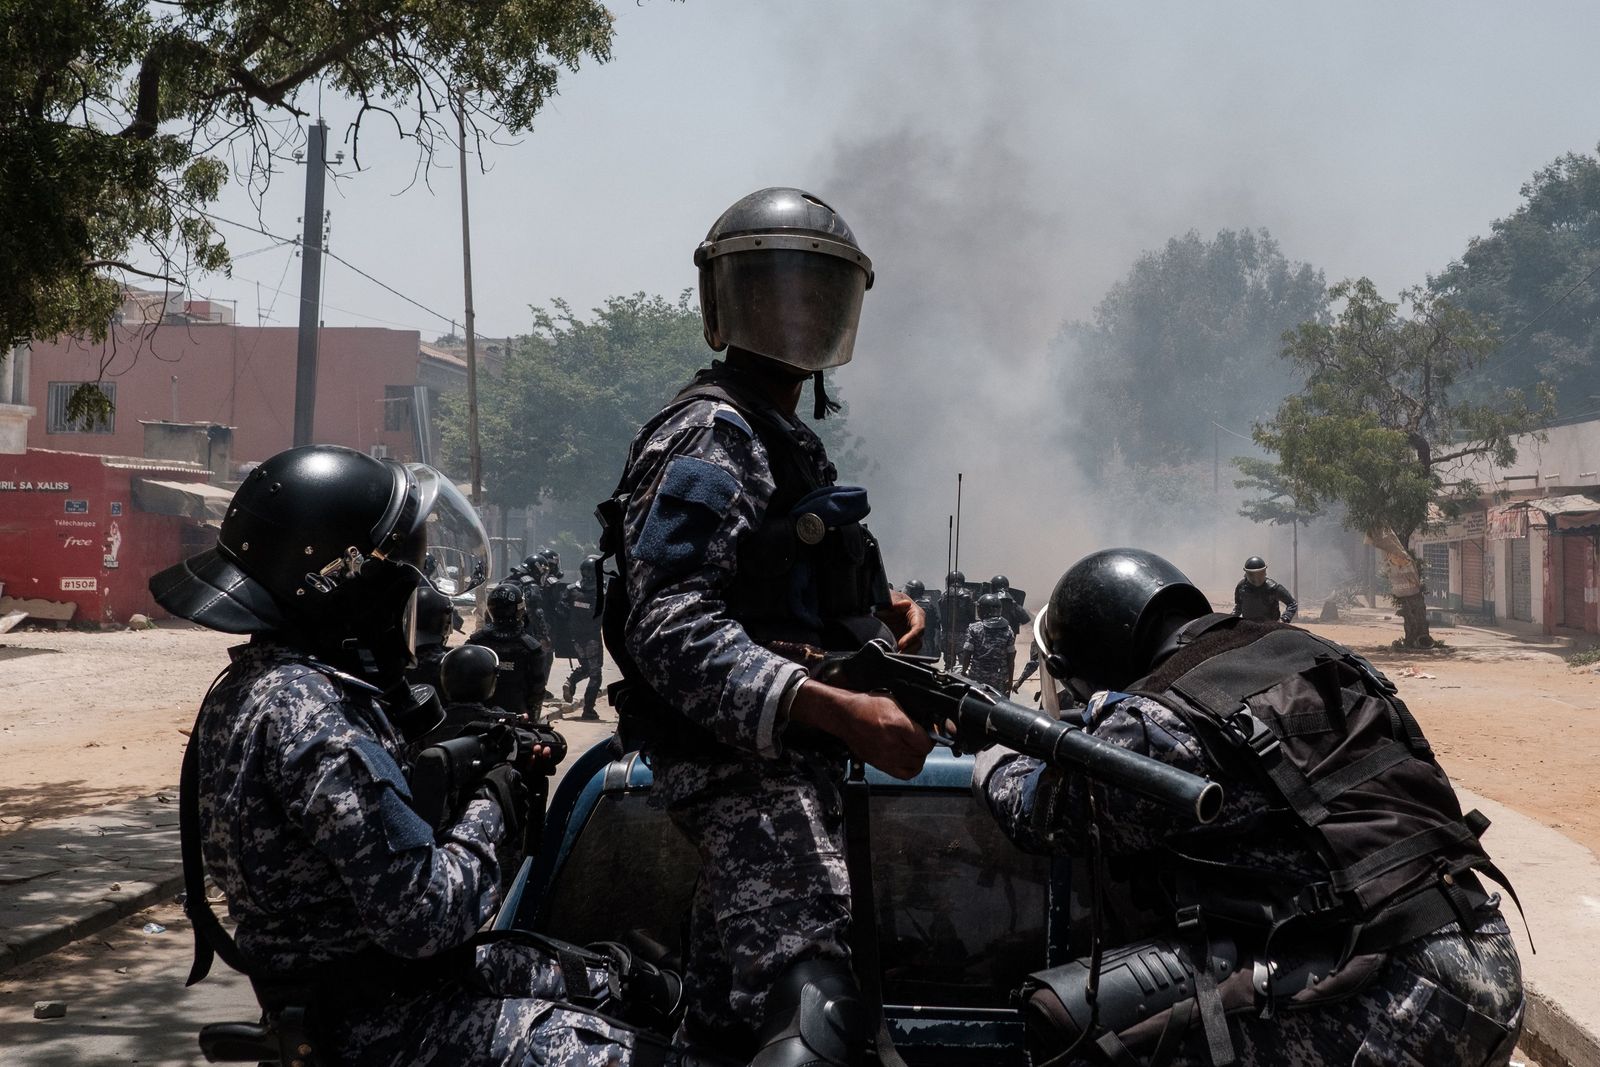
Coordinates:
(989, 647)
(1332, 912)
(523, 663)
(585, 629)
(293, 799)
(1010, 604)
(740, 557)
(1259, 598)
(435, 617)
(933, 628)
(958, 611)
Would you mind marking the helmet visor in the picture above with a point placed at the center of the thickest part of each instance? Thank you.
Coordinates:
(799, 306)
(449, 540)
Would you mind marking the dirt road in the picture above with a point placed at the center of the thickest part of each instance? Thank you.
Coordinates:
(91, 719)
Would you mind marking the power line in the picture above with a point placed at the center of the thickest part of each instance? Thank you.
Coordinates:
(338, 258)
(1529, 324)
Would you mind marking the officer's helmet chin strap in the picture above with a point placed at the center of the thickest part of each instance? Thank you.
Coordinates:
(822, 405)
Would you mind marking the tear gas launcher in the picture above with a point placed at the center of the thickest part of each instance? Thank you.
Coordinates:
(970, 716)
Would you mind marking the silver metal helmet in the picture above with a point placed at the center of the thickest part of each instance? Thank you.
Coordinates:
(781, 275)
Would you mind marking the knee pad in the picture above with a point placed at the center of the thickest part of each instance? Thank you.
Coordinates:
(815, 1018)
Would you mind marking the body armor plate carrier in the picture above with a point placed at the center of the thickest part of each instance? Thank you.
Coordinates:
(800, 587)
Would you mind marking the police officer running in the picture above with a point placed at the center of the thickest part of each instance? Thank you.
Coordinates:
(1259, 598)
(585, 627)
(349, 906)
(1332, 912)
(740, 560)
(989, 649)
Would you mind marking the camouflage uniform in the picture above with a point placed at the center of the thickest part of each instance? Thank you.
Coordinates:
(306, 828)
(1443, 999)
(991, 644)
(762, 807)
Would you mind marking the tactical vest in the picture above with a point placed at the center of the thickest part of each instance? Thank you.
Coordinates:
(1326, 736)
(800, 587)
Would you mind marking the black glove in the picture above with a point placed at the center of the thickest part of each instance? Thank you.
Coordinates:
(505, 787)
(539, 734)
(639, 992)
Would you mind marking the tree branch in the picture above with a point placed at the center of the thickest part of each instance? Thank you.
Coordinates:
(117, 264)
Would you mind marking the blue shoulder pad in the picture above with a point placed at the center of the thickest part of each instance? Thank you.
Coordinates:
(688, 508)
(403, 828)
(732, 418)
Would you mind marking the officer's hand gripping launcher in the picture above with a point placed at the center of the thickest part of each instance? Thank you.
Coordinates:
(981, 717)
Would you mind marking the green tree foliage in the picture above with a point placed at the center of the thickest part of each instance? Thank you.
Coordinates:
(1533, 278)
(1188, 338)
(1276, 499)
(1381, 426)
(119, 118)
(555, 424)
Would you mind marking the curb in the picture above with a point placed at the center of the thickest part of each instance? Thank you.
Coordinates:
(107, 912)
(1555, 1038)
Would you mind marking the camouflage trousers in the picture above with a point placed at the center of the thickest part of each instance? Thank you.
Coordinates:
(773, 888)
(1444, 1000)
(590, 664)
(501, 1022)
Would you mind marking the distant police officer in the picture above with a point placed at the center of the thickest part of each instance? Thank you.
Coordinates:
(958, 611)
(1259, 598)
(522, 661)
(741, 559)
(1332, 912)
(585, 628)
(435, 616)
(989, 649)
(933, 629)
(293, 798)
(1010, 605)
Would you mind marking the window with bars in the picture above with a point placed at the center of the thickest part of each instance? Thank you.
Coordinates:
(396, 408)
(1436, 569)
(56, 420)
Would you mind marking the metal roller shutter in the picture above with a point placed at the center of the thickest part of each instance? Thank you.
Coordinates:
(1574, 579)
(1472, 575)
(1521, 580)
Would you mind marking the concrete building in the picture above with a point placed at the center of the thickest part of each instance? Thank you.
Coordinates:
(1525, 550)
(378, 390)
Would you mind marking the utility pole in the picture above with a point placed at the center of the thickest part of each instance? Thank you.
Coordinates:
(473, 447)
(305, 370)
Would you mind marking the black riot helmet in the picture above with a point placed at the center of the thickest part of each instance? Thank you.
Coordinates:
(990, 606)
(435, 614)
(954, 579)
(999, 583)
(507, 606)
(781, 276)
(328, 544)
(915, 589)
(534, 563)
(1255, 563)
(589, 571)
(467, 674)
(1100, 626)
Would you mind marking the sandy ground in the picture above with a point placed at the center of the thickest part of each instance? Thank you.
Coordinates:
(88, 719)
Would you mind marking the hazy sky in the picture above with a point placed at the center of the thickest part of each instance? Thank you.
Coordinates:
(1002, 163)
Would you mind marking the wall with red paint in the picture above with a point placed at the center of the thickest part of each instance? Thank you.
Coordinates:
(69, 532)
(240, 376)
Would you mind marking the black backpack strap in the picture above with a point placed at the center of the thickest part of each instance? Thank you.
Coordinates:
(210, 939)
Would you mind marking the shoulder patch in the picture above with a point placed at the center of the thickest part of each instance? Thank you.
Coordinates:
(382, 766)
(688, 508)
(730, 417)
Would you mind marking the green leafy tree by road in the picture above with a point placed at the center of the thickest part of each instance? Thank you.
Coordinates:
(556, 422)
(1189, 337)
(1534, 278)
(120, 121)
(1381, 425)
